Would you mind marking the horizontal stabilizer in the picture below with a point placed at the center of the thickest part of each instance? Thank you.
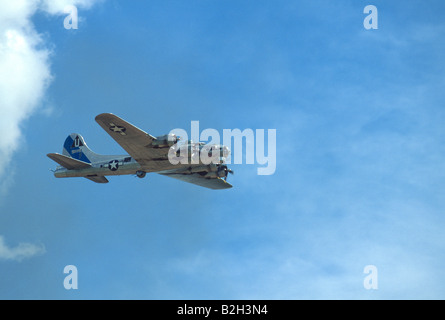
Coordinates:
(68, 162)
(98, 179)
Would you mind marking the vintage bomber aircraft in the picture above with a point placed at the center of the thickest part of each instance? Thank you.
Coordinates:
(145, 154)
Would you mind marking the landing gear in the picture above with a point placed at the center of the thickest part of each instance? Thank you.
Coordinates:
(141, 174)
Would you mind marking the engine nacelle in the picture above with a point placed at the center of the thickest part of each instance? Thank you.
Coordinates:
(190, 151)
(215, 151)
(202, 153)
(166, 140)
(221, 172)
(211, 168)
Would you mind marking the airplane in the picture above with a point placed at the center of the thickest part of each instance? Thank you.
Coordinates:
(146, 154)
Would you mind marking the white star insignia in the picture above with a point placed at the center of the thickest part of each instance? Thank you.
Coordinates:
(113, 165)
(117, 129)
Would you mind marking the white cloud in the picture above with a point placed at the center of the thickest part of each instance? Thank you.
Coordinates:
(24, 68)
(25, 75)
(58, 6)
(20, 252)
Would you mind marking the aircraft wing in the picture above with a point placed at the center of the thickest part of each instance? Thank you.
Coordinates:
(135, 141)
(196, 178)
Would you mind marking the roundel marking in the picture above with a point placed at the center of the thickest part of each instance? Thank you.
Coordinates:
(118, 129)
(113, 165)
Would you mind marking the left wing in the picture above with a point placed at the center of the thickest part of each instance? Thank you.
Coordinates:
(196, 178)
(135, 141)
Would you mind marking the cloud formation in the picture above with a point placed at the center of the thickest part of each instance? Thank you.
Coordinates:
(25, 69)
(25, 74)
(20, 252)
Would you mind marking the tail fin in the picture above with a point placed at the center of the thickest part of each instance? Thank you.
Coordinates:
(75, 147)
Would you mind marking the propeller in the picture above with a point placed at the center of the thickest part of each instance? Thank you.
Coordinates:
(226, 171)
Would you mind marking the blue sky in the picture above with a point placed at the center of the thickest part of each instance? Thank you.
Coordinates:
(360, 156)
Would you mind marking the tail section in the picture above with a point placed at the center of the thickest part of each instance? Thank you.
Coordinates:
(76, 148)
(77, 160)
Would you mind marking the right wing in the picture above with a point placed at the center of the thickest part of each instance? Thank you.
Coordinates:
(135, 141)
(196, 178)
